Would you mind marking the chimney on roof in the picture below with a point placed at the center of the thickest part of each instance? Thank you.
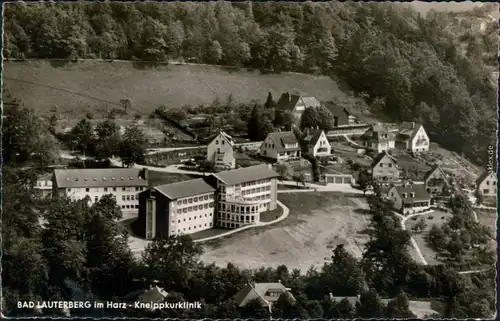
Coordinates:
(279, 281)
(412, 125)
(330, 295)
(317, 127)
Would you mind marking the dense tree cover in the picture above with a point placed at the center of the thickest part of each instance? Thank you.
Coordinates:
(410, 66)
(462, 240)
(26, 138)
(104, 141)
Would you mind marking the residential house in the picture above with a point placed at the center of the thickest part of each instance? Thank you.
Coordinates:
(486, 184)
(179, 208)
(410, 198)
(267, 294)
(412, 137)
(341, 116)
(385, 168)
(228, 199)
(220, 151)
(280, 146)
(379, 138)
(435, 180)
(44, 185)
(123, 183)
(316, 144)
(296, 104)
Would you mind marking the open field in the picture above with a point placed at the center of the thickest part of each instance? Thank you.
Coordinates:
(438, 218)
(316, 224)
(96, 85)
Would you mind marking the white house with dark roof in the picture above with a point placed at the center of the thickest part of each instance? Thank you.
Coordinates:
(228, 199)
(410, 198)
(316, 143)
(296, 104)
(266, 294)
(220, 151)
(486, 184)
(280, 146)
(123, 183)
(412, 137)
(385, 168)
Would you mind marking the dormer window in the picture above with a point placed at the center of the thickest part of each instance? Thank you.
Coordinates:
(131, 178)
(67, 178)
(76, 179)
(95, 178)
(123, 178)
(86, 179)
(112, 178)
(104, 178)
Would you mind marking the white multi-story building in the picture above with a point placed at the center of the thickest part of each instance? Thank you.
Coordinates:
(243, 194)
(229, 199)
(123, 183)
(220, 151)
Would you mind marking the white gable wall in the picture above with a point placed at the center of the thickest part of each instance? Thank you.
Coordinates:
(421, 135)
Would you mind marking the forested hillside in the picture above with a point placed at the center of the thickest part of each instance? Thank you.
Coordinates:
(410, 67)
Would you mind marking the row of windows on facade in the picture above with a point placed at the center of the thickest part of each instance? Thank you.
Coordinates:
(238, 209)
(236, 218)
(487, 191)
(130, 206)
(195, 208)
(105, 189)
(256, 190)
(195, 199)
(250, 199)
(194, 228)
(388, 165)
(247, 184)
(193, 218)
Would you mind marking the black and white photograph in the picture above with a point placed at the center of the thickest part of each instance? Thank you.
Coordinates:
(249, 160)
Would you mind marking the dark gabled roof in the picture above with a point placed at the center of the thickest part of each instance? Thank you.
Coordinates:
(408, 130)
(259, 291)
(187, 188)
(312, 137)
(99, 177)
(45, 177)
(245, 174)
(337, 110)
(281, 139)
(381, 155)
(225, 136)
(430, 172)
(420, 191)
(288, 101)
(483, 176)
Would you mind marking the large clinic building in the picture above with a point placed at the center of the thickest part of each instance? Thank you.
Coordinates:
(124, 184)
(229, 199)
